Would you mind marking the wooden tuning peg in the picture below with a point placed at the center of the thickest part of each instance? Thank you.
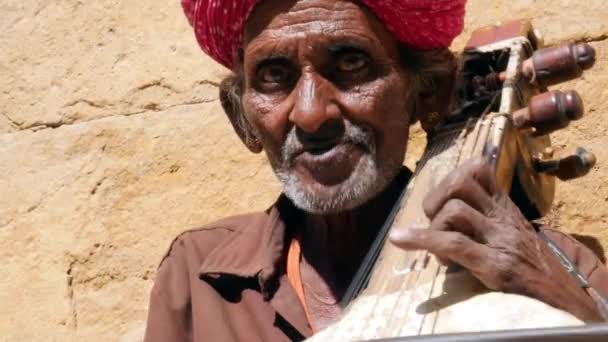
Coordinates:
(549, 111)
(554, 65)
(547, 67)
(569, 167)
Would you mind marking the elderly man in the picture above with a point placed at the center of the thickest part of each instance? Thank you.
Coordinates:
(328, 89)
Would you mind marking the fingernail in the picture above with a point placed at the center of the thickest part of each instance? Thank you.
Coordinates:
(397, 235)
(400, 234)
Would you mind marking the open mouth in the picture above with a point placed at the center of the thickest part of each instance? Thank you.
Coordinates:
(329, 164)
(316, 151)
(330, 153)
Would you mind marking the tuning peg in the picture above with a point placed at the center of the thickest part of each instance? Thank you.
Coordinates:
(549, 111)
(572, 166)
(554, 65)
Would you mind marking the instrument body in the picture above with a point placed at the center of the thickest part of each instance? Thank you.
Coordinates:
(410, 293)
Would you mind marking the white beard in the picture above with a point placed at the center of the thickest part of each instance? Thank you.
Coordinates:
(366, 181)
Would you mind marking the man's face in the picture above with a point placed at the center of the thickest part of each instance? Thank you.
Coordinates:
(325, 93)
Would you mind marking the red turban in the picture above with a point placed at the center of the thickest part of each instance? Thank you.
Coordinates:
(423, 24)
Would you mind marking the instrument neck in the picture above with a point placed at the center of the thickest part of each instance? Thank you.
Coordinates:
(362, 275)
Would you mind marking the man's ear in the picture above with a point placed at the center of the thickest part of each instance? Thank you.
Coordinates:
(230, 98)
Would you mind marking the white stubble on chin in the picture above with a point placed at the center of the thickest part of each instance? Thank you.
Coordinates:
(364, 183)
(367, 179)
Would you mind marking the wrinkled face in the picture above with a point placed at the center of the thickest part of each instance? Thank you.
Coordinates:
(326, 95)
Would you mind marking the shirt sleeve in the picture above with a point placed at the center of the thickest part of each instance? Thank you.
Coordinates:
(169, 312)
(588, 264)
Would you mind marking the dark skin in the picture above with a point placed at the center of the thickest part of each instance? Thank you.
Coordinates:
(476, 225)
(312, 64)
(336, 71)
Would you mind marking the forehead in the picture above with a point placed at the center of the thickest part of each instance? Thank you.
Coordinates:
(275, 23)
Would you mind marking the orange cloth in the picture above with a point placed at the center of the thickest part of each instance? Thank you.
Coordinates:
(294, 255)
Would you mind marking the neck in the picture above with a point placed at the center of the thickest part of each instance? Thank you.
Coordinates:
(335, 245)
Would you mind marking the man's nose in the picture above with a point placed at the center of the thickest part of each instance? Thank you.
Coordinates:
(314, 104)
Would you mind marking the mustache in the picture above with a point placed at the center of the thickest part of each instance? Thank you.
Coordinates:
(352, 134)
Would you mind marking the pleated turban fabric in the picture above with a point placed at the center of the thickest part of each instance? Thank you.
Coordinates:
(422, 24)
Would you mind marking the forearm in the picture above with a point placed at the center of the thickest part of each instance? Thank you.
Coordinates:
(589, 267)
(570, 298)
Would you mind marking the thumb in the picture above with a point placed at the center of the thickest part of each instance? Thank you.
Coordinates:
(413, 239)
(410, 237)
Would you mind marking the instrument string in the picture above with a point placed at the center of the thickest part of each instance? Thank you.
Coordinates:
(455, 160)
(439, 142)
(361, 278)
(452, 138)
(433, 149)
(455, 141)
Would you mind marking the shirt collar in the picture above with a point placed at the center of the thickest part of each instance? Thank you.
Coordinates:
(258, 250)
(262, 245)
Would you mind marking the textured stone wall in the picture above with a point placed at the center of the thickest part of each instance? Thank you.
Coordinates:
(112, 142)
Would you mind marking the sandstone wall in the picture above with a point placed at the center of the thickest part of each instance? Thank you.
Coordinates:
(112, 142)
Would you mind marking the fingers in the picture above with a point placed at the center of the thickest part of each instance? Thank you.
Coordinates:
(458, 216)
(446, 245)
(457, 208)
(484, 174)
(474, 183)
(464, 189)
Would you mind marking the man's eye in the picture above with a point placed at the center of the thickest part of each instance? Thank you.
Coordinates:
(352, 62)
(275, 74)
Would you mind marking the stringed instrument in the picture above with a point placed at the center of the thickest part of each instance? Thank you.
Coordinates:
(504, 114)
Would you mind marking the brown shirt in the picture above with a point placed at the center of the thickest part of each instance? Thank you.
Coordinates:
(227, 281)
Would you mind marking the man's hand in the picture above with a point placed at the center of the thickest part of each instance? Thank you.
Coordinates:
(477, 226)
